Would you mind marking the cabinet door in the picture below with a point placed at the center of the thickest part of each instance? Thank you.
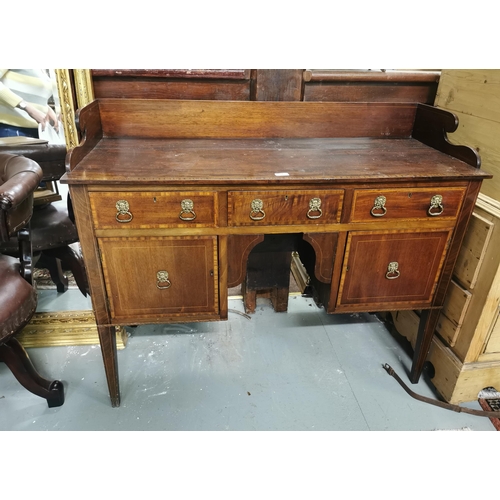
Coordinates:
(391, 268)
(155, 277)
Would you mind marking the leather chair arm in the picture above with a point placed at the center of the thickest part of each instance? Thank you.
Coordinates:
(19, 177)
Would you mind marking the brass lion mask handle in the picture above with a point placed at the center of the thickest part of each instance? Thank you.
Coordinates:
(436, 203)
(257, 210)
(187, 208)
(162, 281)
(392, 271)
(123, 211)
(314, 207)
(379, 204)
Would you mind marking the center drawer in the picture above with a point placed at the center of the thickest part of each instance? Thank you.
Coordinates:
(113, 210)
(247, 208)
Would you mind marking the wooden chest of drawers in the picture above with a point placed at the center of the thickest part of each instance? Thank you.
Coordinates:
(374, 197)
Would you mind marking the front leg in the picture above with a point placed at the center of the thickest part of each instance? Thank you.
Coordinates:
(107, 337)
(428, 322)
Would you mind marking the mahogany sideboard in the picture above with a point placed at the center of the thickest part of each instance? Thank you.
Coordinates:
(170, 196)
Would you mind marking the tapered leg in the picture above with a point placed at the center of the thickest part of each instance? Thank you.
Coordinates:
(16, 358)
(107, 337)
(426, 329)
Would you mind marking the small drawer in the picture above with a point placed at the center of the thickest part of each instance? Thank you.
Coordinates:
(153, 209)
(406, 203)
(247, 208)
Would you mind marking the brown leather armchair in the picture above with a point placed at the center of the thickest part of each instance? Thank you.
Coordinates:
(52, 227)
(19, 177)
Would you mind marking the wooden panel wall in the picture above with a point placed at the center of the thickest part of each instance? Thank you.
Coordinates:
(474, 96)
(267, 84)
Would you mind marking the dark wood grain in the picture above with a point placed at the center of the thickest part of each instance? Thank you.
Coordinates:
(219, 84)
(432, 126)
(217, 149)
(236, 74)
(371, 86)
(419, 256)
(278, 85)
(239, 119)
(351, 76)
(239, 247)
(191, 264)
(373, 92)
(153, 209)
(83, 215)
(324, 246)
(284, 207)
(107, 333)
(407, 203)
(157, 88)
(257, 161)
(90, 127)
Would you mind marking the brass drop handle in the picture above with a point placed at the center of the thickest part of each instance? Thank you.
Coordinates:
(162, 281)
(392, 271)
(379, 204)
(187, 208)
(314, 206)
(257, 207)
(123, 211)
(436, 203)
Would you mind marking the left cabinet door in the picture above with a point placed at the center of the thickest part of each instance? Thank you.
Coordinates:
(154, 278)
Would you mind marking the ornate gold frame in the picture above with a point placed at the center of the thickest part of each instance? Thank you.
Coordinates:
(71, 84)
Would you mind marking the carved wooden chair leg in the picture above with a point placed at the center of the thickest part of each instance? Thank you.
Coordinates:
(72, 261)
(54, 267)
(16, 358)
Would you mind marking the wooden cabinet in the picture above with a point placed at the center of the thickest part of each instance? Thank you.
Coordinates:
(169, 210)
(465, 351)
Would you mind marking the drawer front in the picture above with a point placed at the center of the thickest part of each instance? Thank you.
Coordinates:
(419, 203)
(396, 267)
(154, 277)
(248, 208)
(153, 209)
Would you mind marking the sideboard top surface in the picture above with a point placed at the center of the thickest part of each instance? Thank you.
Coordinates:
(127, 141)
(255, 161)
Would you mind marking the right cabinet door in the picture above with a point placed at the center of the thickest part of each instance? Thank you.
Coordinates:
(391, 269)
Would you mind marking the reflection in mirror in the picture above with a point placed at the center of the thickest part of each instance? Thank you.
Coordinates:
(30, 106)
(64, 313)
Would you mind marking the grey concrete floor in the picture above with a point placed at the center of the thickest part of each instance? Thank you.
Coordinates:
(302, 370)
